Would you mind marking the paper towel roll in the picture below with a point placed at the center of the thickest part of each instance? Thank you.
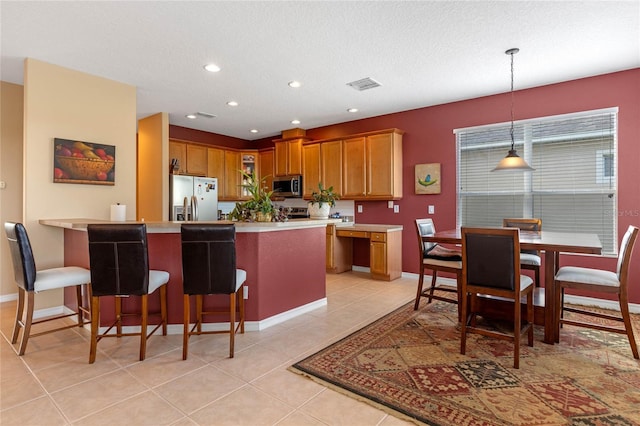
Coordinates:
(118, 213)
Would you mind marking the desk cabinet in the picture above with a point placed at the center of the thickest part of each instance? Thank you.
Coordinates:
(385, 249)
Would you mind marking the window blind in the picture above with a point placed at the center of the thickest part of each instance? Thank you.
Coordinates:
(572, 189)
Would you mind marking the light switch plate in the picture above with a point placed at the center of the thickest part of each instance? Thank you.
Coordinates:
(396, 209)
(390, 204)
(432, 209)
(359, 208)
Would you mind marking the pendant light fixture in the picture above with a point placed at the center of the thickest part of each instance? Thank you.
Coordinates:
(512, 161)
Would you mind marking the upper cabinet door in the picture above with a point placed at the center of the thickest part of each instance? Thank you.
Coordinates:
(288, 157)
(353, 168)
(380, 166)
(215, 168)
(178, 151)
(266, 166)
(331, 175)
(310, 169)
(232, 176)
(196, 160)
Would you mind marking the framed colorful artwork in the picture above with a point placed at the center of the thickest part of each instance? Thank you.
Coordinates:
(83, 162)
(427, 178)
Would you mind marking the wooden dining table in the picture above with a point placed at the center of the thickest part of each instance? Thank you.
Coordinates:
(552, 243)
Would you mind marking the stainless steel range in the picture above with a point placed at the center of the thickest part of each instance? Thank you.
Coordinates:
(298, 213)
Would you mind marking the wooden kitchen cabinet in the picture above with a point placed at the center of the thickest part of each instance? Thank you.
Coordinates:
(331, 161)
(385, 249)
(192, 158)
(266, 159)
(178, 151)
(310, 169)
(232, 176)
(215, 168)
(288, 157)
(372, 166)
(354, 171)
(339, 252)
(196, 160)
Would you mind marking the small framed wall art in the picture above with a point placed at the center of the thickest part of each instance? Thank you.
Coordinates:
(83, 162)
(427, 178)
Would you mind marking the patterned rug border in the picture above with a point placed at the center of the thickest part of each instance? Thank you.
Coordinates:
(367, 399)
(312, 368)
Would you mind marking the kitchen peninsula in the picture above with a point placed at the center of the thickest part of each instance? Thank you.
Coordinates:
(285, 264)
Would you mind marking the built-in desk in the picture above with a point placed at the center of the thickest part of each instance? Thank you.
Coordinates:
(385, 248)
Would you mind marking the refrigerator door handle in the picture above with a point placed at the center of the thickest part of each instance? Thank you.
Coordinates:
(194, 208)
(185, 209)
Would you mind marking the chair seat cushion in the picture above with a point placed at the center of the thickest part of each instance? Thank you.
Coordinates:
(530, 259)
(157, 279)
(442, 253)
(48, 279)
(525, 281)
(457, 264)
(241, 277)
(588, 276)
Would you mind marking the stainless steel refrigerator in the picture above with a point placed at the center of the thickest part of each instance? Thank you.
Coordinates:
(193, 198)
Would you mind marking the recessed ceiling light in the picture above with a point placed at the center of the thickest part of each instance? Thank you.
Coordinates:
(254, 130)
(295, 84)
(352, 110)
(191, 116)
(212, 68)
(232, 103)
(295, 121)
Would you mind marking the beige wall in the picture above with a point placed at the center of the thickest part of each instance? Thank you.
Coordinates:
(64, 103)
(11, 128)
(153, 167)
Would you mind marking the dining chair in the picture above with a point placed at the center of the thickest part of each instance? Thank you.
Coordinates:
(529, 259)
(119, 261)
(209, 268)
(436, 258)
(30, 281)
(491, 266)
(598, 281)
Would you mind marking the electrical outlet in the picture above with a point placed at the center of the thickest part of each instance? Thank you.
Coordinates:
(245, 292)
(432, 209)
(359, 208)
(396, 209)
(390, 204)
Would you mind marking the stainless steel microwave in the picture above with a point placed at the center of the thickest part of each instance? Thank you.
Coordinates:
(287, 186)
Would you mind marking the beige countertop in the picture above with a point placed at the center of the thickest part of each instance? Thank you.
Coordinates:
(174, 227)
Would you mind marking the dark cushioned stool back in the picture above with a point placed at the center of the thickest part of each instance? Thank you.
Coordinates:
(24, 265)
(524, 225)
(208, 259)
(119, 259)
(490, 259)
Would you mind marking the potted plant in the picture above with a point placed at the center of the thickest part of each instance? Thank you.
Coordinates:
(259, 207)
(321, 202)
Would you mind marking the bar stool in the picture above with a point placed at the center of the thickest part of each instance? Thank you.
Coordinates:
(209, 267)
(120, 267)
(31, 281)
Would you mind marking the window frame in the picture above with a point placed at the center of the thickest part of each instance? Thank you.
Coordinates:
(525, 148)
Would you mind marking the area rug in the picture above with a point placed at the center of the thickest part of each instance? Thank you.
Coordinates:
(409, 364)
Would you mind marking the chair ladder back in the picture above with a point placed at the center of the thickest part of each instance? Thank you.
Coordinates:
(624, 257)
(492, 260)
(24, 264)
(119, 259)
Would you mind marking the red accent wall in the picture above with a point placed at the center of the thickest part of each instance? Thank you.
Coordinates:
(429, 138)
(183, 133)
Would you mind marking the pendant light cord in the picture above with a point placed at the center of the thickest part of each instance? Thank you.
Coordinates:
(512, 113)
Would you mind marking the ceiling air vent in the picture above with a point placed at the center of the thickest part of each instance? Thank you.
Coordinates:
(364, 84)
(205, 115)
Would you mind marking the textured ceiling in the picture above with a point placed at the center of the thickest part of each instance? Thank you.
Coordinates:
(422, 52)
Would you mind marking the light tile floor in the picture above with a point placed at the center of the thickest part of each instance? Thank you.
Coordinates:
(53, 384)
